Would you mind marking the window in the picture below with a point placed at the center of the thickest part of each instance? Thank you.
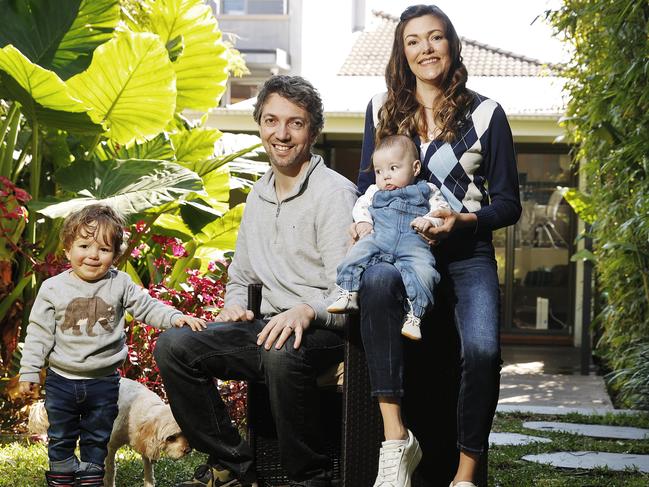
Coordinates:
(252, 7)
(242, 92)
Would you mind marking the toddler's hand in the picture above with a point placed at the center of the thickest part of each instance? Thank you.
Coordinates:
(196, 324)
(27, 389)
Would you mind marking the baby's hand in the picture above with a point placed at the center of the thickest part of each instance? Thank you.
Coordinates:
(196, 324)
(363, 229)
(422, 225)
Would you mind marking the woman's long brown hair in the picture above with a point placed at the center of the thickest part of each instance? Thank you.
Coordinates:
(401, 112)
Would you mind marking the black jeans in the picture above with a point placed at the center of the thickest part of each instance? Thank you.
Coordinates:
(80, 408)
(189, 361)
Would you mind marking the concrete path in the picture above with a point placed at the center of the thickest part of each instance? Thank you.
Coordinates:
(547, 377)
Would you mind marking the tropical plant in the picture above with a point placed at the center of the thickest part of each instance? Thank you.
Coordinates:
(91, 95)
(608, 117)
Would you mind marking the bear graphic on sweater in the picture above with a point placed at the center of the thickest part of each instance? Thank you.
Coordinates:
(93, 310)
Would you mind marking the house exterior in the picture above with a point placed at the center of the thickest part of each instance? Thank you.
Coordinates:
(541, 287)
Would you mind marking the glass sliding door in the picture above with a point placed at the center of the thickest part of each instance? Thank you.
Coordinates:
(534, 266)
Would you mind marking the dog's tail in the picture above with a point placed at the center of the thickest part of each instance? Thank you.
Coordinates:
(38, 422)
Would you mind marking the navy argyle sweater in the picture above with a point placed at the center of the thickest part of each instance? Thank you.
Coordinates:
(475, 173)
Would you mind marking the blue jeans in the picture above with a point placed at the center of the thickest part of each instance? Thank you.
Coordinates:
(80, 408)
(470, 286)
(189, 361)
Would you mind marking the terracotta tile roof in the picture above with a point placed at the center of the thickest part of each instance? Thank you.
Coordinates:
(371, 52)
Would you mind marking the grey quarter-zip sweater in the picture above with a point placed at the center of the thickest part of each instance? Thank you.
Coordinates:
(80, 325)
(293, 247)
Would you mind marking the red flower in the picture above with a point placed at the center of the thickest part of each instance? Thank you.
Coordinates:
(21, 195)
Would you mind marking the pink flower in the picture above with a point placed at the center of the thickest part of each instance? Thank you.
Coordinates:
(178, 250)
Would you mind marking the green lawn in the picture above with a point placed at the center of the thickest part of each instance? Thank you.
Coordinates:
(506, 469)
(23, 462)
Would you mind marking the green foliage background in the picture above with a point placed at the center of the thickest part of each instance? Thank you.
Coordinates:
(608, 118)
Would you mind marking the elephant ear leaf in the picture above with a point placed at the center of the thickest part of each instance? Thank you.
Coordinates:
(36, 27)
(201, 66)
(59, 35)
(94, 24)
(43, 95)
(130, 87)
(130, 186)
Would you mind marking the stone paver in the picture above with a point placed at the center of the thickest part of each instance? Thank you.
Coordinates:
(510, 439)
(592, 430)
(591, 459)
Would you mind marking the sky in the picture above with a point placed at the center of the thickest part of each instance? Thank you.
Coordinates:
(505, 24)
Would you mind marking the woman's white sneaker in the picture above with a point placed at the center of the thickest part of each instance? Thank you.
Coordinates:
(397, 461)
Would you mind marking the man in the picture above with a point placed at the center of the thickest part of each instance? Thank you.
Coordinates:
(292, 236)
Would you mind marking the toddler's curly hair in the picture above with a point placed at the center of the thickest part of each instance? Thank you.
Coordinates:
(94, 221)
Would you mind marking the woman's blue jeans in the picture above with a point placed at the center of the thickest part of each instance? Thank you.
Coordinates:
(470, 287)
(83, 409)
(189, 361)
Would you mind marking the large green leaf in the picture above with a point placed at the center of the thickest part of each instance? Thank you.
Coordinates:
(93, 25)
(58, 35)
(218, 237)
(36, 27)
(42, 94)
(201, 68)
(159, 148)
(130, 86)
(222, 233)
(195, 145)
(217, 185)
(131, 186)
(172, 225)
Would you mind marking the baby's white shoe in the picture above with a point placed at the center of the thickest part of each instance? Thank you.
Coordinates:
(346, 302)
(411, 327)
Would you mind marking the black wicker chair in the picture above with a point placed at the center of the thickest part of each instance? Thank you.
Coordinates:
(353, 437)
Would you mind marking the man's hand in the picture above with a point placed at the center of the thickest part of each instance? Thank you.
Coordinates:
(196, 324)
(295, 320)
(234, 313)
(359, 230)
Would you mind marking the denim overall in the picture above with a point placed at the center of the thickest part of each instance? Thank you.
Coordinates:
(396, 242)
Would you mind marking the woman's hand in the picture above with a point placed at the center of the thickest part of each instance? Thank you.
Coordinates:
(452, 221)
(358, 230)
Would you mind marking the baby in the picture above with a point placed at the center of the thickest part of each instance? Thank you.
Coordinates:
(77, 321)
(388, 217)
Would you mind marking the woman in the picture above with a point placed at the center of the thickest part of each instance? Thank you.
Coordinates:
(467, 151)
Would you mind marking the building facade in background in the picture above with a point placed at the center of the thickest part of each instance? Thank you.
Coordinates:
(343, 50)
